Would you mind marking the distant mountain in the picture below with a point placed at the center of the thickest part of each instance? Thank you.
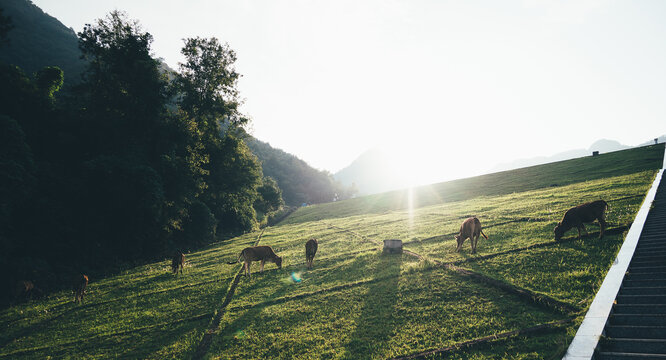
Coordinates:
(38, 40)
(372, 172)
(603, 146)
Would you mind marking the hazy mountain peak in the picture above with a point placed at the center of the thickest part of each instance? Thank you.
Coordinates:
(606, 145)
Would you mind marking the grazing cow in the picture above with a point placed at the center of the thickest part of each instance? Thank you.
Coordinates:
(258, 253)
(80, 288)
(24, 290)
(310, 251)
(177, 261)
(586, 213)
(470, 228)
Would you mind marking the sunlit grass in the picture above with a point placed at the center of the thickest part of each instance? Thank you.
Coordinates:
(379, 320)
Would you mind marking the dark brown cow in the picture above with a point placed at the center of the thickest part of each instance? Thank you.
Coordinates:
(586, 213)
(80, 288)
(177, 261)
(470, 228)
(310, 251)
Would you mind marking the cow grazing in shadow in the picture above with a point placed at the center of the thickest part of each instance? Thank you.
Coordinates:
(470, 228)
(177, 261)
(310, 251)
(79, 288)
(578, 215)
(25, 290)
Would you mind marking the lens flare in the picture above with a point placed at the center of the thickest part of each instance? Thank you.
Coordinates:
(296, 277)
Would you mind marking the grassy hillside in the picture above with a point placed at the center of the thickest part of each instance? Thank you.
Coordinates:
(529, 178)
(357, 303)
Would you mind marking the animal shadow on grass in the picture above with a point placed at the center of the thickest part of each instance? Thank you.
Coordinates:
(375, 325)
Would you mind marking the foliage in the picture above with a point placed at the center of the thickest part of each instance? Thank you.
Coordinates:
(119, 173)
(234, 177)
(49, 80)
(124, 91)
(270, 196)
(207, 83)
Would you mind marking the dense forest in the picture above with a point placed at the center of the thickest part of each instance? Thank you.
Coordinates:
(129, 164)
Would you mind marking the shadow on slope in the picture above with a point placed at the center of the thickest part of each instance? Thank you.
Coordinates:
(375, 326)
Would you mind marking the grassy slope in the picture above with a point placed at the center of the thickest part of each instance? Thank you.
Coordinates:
(394, 305)
(530, 178)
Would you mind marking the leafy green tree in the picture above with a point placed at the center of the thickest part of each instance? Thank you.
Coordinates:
(234, 177)
(270, 196)
(134, 145)
(208, 94)
(124, 90)
(49, 80)
(208, 84)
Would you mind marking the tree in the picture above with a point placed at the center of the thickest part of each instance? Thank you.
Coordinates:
(118, 173)
(207, 83)
(48, 81)
(208, 94)
(125, 93)
(270, 196)
(234, 177)
(134, 143)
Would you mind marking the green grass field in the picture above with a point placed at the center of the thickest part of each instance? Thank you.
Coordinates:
(357, 303)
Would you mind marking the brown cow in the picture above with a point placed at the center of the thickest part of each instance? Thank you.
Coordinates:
(178, 260)
(470, 228)
(586, 213)
(310, 251)
(258, 253)
(80, 288)
(23, 290)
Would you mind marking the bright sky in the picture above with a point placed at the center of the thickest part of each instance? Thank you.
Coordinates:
(434, 81)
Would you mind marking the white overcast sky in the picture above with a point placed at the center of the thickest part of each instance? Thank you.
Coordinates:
(438, 81)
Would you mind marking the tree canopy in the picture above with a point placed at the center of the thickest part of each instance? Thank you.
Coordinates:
(128, 167)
